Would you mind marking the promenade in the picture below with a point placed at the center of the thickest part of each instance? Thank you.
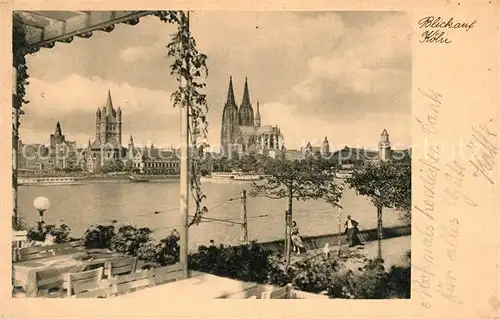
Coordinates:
(393, 251)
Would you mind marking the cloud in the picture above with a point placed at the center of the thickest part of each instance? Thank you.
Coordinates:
(147, 114)
(373, 61)
(132, 54)
(364, 131)
(317, 73)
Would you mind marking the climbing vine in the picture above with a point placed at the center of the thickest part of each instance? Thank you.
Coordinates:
(189, 66)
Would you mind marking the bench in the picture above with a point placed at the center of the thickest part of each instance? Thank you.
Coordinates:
(288, 292)
(279, 293)
(123, 284)
(37, 252)
(121, 266)
(72, 280)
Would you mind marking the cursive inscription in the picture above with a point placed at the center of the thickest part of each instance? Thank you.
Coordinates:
(436, 26)
(446, 288)
(453, 193)
(423, 270)
(423, 273)
(449, 235)
(484, 152)
(434, 99)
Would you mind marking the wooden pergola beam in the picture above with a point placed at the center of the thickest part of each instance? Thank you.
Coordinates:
(80, 24)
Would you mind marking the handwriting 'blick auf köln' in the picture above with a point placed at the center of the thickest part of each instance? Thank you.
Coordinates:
(437, 26)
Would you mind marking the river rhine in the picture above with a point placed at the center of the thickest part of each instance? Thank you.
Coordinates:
(79, 206)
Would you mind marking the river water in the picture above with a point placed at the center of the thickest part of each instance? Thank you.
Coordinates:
(135, 203)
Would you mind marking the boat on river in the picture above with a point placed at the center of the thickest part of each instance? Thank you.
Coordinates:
(232, 176)
(138, 179)
(49, 181)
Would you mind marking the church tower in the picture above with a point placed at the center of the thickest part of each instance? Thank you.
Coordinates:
(229, 120)
(98, 125)
(131, 148)
(257, 116)
(109, 124)
(325, 149)
(57, 137)
(246, 110)
(384, 147)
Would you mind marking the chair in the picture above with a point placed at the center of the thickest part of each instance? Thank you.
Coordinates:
(280, 293)
(95, 289)
(74, 279)
(120, 266)
(122, 284)
(35, 252)
(20, 238)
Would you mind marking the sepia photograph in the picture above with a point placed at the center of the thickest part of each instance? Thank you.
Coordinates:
(212, 154)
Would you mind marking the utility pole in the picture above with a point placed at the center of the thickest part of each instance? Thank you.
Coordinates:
(340, 229)
(184, 173)
(15, 154)
(288, 239)
(244, 225)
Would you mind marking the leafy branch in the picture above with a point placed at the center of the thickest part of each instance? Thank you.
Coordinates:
(188, 64)
(190, 67)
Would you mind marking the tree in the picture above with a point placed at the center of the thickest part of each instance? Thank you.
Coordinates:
(387, 184)
(248, 163)
(129, 165)
(300, 180)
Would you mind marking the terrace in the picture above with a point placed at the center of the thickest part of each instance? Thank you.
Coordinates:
(70, 269)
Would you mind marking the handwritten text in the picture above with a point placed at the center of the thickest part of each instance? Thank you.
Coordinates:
(484, 152)
(436, 27)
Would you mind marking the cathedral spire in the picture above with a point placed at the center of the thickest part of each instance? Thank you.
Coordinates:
(109, 104)
(246, 95)
(230, 93)
(58, 129)
(257, 116)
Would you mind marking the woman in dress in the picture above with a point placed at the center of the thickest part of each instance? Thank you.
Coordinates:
(351, 230)
(297, 243)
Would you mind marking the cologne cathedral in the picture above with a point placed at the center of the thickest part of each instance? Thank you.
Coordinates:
(242, 130)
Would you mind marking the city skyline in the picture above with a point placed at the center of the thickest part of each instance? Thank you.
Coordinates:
(353, 75)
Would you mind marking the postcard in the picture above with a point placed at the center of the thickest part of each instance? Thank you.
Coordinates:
(165, 155)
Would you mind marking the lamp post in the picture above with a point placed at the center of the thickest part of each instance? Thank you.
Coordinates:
(379, 222)
(41, 203)
(341, 189)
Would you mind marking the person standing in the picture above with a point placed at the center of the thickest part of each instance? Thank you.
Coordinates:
(351, 230)
(298, 245)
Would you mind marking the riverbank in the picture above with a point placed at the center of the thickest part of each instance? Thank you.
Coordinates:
(121, 178)
(126, 179)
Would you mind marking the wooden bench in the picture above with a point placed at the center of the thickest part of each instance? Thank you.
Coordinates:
(121, 266)
(123, 284)
(279, 293)
(288, 292)
(37, 252)
(74, 279)
(20, 238)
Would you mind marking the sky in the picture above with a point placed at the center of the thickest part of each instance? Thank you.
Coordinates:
(344, 75)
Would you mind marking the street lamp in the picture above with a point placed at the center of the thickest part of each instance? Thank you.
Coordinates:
(41, 203)
(379, 222)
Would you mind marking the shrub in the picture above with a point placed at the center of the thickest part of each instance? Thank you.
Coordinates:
(373, 282)
(168, 250)
(313, 275)
(128, 239)
(61, 234)
(99, 236)
(245, 262)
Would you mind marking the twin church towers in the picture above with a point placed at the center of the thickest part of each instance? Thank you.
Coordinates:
(242, 129)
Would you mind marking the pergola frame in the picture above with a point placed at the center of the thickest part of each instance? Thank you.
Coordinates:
(44, 29)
